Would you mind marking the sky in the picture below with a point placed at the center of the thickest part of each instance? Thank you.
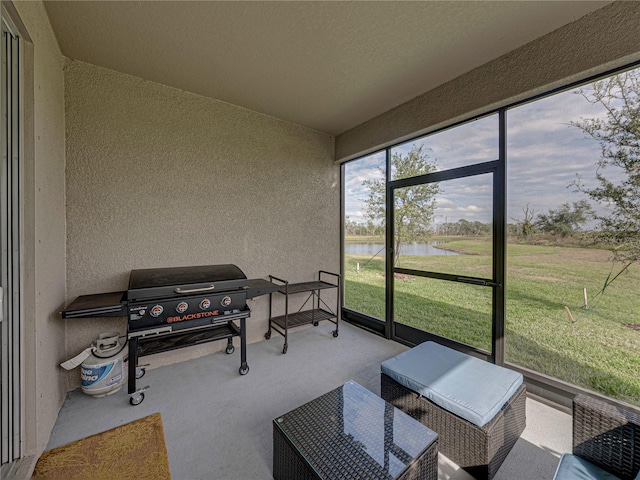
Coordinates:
(544, 155)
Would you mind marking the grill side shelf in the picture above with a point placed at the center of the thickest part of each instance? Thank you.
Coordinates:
(313, 310)
(111, 304)
(257, 287)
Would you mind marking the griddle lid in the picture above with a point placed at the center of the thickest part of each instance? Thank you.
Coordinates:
(168, 282)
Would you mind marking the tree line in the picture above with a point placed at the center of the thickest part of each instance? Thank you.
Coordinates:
(565, 221)
(460, 228)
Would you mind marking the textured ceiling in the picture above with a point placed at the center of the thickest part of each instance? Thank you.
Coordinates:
(326, 65)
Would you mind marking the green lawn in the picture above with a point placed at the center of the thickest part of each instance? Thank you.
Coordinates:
(596, 351)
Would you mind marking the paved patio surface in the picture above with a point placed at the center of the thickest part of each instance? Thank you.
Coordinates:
(218, 423)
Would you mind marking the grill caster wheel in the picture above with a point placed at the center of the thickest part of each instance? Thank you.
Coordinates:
(230, 349)
(284, 349)
(315, 324)
(140, 371)
(244, 370)
(267, 335)
(335, 333)
(136, 399)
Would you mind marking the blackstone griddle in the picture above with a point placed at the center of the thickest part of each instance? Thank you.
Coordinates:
(176, 307)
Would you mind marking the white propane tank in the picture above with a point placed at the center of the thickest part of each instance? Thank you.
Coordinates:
(105, 370)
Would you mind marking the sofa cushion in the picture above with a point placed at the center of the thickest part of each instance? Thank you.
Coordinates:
(575, 468)
(461, 384)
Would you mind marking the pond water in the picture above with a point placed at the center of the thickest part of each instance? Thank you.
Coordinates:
(408, 248)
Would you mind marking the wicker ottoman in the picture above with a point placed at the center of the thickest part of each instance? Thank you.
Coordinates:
(480, 450)
(350, 433)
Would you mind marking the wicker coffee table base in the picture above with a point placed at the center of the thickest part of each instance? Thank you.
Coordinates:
(288, 465)
(479, 450)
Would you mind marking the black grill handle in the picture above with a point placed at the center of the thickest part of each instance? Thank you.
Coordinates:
(194, 290)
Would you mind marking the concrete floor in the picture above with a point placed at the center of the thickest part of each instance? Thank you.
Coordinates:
(218, 424)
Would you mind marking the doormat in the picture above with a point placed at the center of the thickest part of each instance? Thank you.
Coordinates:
(133, 451)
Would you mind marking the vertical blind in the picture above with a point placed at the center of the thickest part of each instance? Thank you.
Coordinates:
(10, 249)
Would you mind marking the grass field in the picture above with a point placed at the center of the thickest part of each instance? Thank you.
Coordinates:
(600, 350)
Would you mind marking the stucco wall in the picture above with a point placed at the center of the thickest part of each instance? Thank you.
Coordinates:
(605, 39)
(157, 177)
(43, 227)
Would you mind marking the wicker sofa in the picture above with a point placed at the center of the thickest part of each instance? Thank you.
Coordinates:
(606, 443)
(480, 450)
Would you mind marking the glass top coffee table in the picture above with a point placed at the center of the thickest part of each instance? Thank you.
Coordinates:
(351, 433)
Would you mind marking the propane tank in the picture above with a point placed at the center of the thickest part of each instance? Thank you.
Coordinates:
(105, 369)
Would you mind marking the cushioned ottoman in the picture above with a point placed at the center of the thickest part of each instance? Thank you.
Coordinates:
(477, 408)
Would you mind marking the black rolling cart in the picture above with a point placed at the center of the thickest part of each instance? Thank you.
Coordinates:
(313, 310)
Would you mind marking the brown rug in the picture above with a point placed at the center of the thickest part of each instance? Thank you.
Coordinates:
(135, 450)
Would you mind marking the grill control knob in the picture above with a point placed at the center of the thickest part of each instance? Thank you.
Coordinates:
(156, 311)
(226, 301)
(205, 304)
(182, 307)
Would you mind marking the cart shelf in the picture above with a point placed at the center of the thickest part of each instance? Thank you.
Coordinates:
(303, 318)
(305, 287)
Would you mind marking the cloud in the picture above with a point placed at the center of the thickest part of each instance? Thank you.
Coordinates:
(545, 156)
(466, 144)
